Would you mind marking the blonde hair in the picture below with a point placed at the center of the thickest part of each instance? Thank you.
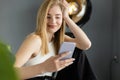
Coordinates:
(41, 26)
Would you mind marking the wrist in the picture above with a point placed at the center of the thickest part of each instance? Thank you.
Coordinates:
(66, 18)
(41, 68)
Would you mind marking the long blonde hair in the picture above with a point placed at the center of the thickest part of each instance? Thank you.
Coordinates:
(41, 26)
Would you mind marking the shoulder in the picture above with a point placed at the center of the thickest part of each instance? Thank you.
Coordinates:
(33, 38)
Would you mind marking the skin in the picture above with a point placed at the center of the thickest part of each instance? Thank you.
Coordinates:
(31, 45)
(54, 20)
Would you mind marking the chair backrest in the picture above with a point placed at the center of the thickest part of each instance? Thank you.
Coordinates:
(87, 14)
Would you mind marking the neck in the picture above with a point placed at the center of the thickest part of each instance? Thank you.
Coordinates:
(50, 37)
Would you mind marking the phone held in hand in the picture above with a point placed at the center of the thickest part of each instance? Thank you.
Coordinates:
(67, 46)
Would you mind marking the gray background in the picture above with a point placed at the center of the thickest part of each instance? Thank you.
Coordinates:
(18, 18)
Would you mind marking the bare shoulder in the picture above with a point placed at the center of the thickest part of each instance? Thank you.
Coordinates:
(33, 37)
(30, 46)
(31, 41)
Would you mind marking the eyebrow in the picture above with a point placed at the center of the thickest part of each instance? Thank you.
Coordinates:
(56, 14)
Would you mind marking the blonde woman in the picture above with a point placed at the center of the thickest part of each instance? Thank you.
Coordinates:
(37, 57)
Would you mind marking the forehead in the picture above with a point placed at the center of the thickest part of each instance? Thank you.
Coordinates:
(55, 9)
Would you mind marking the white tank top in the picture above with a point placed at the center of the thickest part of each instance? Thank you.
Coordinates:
(41, 58)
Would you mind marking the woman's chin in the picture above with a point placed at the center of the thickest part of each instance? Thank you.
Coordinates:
(52, 31)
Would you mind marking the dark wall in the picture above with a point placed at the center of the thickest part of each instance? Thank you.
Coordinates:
(18, 17)
(99, 30)
(115, 66)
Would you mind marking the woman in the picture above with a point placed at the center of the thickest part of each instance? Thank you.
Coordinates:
(38, 54)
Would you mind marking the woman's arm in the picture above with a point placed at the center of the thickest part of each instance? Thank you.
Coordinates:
(52, 64)
(32, 45)
(29, 46)
(81, 38)
(29, 71)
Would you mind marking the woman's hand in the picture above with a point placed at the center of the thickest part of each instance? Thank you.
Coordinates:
(65, 8)
(55, 63)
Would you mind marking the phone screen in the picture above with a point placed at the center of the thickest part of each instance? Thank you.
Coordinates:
(67, 46)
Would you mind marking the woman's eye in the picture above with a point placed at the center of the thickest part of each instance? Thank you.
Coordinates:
(57, 17)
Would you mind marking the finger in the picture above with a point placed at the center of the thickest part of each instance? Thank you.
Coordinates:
(63, 62)
(64, 3)
(62, 55)
(67, 64)
(69, 60)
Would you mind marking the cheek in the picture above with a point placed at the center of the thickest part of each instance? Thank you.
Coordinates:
(60, 22)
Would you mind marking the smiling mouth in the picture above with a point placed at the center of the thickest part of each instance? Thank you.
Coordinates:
(52, 26)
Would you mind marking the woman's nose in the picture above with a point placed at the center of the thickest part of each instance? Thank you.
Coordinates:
(53, 20)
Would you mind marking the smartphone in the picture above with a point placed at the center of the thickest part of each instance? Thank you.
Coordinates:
(67, 46)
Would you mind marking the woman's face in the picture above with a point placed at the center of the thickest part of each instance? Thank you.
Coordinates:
(54, 19)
